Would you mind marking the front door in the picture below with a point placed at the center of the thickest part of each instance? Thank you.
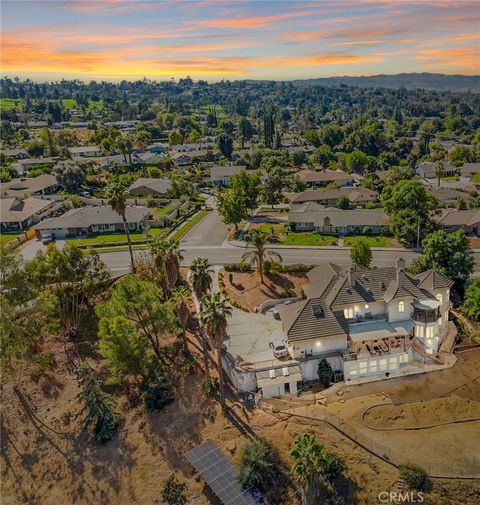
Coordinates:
(287, 388)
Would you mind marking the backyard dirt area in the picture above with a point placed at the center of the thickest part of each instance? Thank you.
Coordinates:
(48, 460)
(246, 288)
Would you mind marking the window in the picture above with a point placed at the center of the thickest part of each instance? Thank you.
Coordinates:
(348, 313)
(401, 306)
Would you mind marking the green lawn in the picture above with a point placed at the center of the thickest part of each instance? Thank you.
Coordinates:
(161, 211)
(5, 238)
(476, 178)
(10, 103)
(309, 239)
(189, 224)
(373, 241)
(69, 103)
(450, 178)
(95, 106)
(276, 228)
(115, 237)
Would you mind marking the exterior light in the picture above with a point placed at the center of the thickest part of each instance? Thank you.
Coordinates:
(367, 306)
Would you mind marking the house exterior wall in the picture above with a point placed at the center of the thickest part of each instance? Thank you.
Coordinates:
(359, 310)
(302, 348)
(376, 365)
(309, 367)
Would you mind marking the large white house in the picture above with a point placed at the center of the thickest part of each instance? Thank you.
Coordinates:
(364, 322)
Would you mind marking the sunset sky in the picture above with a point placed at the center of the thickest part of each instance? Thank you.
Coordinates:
(213, 40)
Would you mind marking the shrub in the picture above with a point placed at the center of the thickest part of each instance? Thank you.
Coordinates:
(415, 476)
(173, 491)
(325, 372)
(210, 385)
(258, 464)
(157, 389)
(367, 230)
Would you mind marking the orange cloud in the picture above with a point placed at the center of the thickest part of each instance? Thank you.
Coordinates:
(465, 59)
(360, 43)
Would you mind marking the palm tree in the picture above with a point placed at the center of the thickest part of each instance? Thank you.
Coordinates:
(306, 466)
(257, 256)
(167, 257)
(439, 171)
(200, 277)
(122, 148)
(181, 294)
(117, 199)
(214, 319)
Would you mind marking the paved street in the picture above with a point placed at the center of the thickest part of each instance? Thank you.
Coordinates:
(209, 231)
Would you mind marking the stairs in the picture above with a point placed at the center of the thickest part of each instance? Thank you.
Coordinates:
(419, 348)
(449, 341)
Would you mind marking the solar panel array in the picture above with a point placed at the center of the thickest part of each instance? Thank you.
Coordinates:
(219, 473)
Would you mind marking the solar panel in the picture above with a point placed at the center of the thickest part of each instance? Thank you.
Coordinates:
(219, 473)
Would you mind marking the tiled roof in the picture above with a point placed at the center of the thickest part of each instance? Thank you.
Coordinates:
(323, 175)
(431, 279)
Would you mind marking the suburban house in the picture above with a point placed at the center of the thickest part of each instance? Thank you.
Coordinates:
(44, 184)
(469, 169)
(357, 196)
(150, 157)
(85, 151)
(187, 148)
(314, 217)
(19, 215)
(220, 174)
(92, 220)
(426, 169)
(451, 220)
(25, 164)
(145, 186)
(446, 197)
(325, 177)
(157, 147)
(18, 154)
(363, 322)
(181, 159)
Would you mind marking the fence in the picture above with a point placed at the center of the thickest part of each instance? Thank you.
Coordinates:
(440, 470)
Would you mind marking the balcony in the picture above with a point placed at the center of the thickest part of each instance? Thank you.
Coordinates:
(426, 311)
(422, 317)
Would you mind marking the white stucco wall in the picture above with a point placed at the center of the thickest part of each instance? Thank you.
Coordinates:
(302, 348)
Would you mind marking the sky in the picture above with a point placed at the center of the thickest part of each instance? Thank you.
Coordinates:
(223, 39)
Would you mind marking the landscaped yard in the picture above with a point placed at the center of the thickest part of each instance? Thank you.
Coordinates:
(161, 211)
(287, 237)
(5, 238)
(9, 103)
(476, 178)
(373, 241)
(121, 238)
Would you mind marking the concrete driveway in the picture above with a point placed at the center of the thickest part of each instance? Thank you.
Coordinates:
(210, 231)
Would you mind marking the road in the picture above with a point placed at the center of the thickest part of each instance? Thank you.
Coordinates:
(210, 231)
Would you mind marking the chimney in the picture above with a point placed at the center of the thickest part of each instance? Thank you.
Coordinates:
(351, 276)
(399, 263)
(400, 277)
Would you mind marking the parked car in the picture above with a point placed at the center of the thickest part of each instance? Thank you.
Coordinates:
(279, 348)
(47, 238)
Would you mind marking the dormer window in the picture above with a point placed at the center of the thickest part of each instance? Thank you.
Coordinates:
(401, 306)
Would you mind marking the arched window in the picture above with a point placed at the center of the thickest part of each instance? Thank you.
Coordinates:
(401, 306)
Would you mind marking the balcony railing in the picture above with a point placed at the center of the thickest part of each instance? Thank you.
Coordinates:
(425, 318)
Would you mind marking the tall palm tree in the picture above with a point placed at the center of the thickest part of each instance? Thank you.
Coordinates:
(181, 294)
(117, 199)
(257, 256)
(129, 147)
(200, 277)
(122, 148)
(167, 257)
(306, 466)
(214, 319)
(439, 171)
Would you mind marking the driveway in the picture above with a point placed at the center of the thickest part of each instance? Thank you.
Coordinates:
(30, 248)
(210, 231)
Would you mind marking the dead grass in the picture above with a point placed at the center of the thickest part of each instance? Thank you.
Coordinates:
(246, 288)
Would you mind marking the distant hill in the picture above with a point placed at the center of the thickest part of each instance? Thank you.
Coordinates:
(438, 82)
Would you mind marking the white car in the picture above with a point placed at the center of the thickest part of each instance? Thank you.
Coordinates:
(279, 348)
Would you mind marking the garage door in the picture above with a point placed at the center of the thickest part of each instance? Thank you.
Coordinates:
(57, 232)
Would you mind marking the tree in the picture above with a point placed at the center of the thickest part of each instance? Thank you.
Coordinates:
(410, 207)
(331, 135)
(69, 175)
(74, 280)
(259, 254)
(274, 186)
(181, 295)
(167, 256)
(311, 463)
(232, 207)
(200, 276)
(448, 253)
(439, 165)
(225, 144)
(361, 254)
(415, 476)
(122, 348)
(101, 418)
(248, 186)
(214, 319)
(257, 466)
(325, 373)
(175, 138)
(140, 303)
(117, 199)
(471, 304)
(343, 202)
